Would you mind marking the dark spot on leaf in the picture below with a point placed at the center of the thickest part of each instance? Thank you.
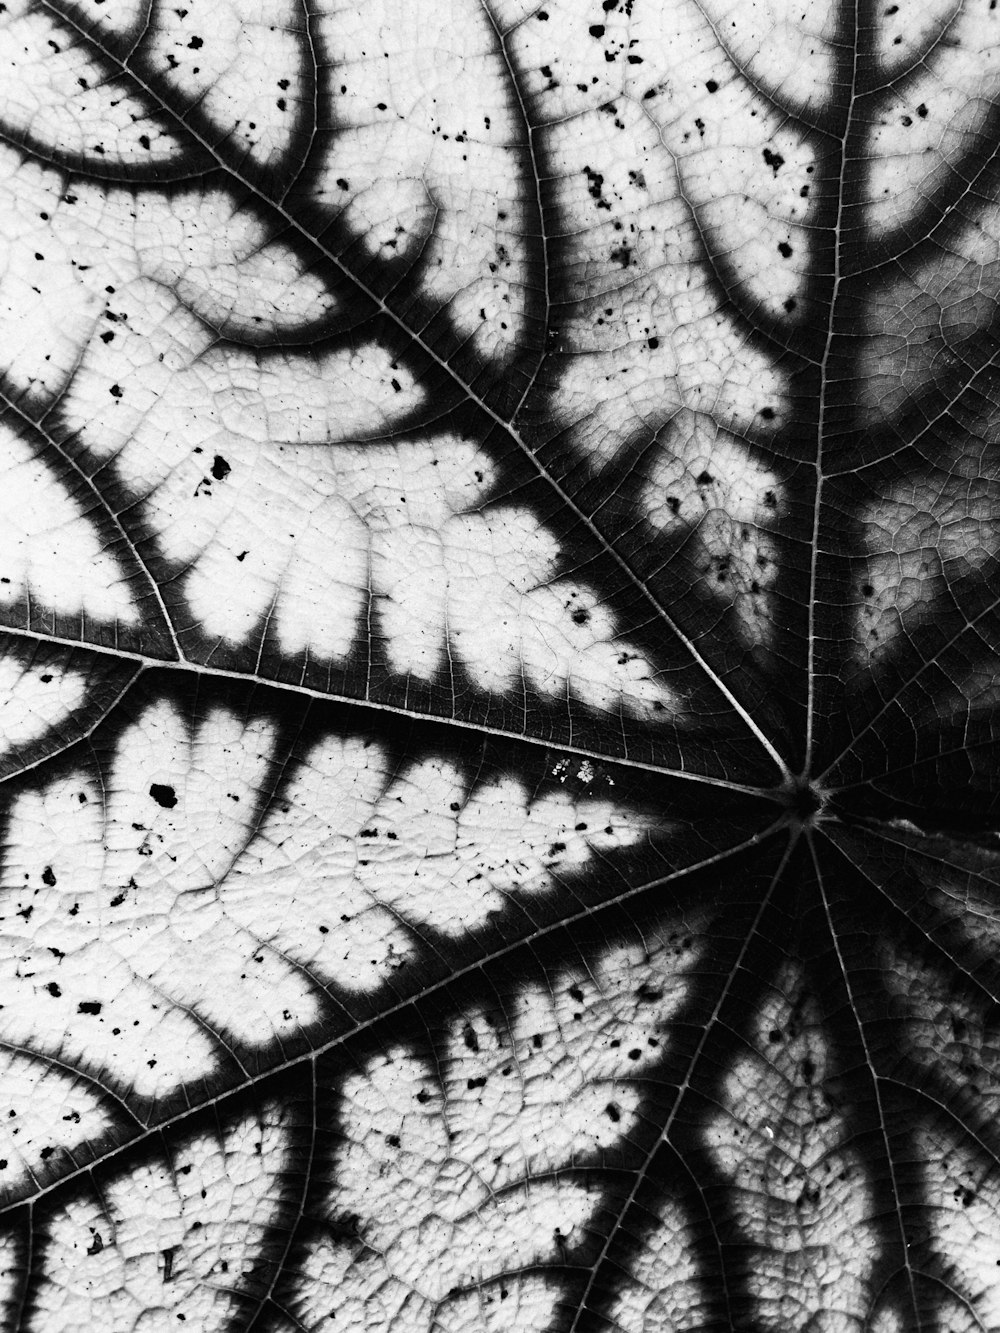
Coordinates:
(774, 160)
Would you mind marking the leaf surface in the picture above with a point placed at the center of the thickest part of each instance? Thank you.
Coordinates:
(498, 544)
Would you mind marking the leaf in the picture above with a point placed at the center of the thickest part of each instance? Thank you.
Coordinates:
(498, 654)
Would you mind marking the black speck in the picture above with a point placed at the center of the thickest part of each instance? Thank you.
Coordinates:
(163, 795)
(470, 1038)
(774, 160)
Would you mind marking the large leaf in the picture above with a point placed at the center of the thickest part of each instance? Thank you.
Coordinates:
(498, 556)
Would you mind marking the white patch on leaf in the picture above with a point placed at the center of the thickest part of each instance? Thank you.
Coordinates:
(46, 1115)
(665, 162)
(425, 164)
(554, 635)
(931, 527)
(707, 483)
(220, 260)
(908, 31)
(242, 66)
(661, 1290)
(73, 252)
(172, 1241)
(35, 697)
(950, 1033)
(527, 1302)
(354, 851)
(930, 318)
(161, 373)
(784, 48)
(781, 1136)
(47, 307)
(65, 991)
(50, 552)
(181, 808)
(449, 1170)
(118, 955)
(917, 137)
(297, 885)
(118, 20)
(59, 91)
(962, 1227)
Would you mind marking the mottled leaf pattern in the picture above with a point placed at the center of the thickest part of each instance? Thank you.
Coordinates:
(499, 538)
